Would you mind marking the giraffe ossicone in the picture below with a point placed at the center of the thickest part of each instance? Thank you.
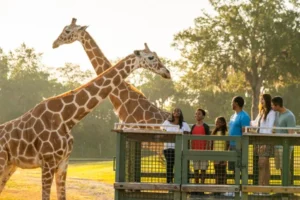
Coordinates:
(130, 104)
(42, 136)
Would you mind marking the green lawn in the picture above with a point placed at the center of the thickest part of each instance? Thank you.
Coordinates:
(86, 181)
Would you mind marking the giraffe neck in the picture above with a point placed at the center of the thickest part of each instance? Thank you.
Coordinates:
(76, 104)
(150, 113)
(96, 56)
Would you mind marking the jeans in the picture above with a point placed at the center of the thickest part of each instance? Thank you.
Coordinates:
(170, 158)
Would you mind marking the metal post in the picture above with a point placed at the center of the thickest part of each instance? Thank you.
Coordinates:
(237, 175)
(285, 163)
(138, 162)
(184, 164)
(245, 151)
(120, 163)
(177, 167)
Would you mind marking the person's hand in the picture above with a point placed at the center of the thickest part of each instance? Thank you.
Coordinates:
(262, 149)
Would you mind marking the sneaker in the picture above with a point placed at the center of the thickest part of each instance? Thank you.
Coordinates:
(264, 194)
(229, 194)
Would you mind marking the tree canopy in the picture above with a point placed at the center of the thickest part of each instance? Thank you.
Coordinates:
(257, 40)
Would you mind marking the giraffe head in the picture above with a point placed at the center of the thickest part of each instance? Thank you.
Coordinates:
(70, 34)
(149, 60)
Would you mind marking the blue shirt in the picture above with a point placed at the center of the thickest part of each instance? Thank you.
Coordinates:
(237, 122)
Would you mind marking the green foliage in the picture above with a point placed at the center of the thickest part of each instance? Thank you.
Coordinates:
(257, 39)
(72, 76)
(22, 73)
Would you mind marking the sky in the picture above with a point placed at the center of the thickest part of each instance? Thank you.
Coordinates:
(118, 26)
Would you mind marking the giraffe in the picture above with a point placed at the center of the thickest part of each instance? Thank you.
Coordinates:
(130, 105)
(42, 136)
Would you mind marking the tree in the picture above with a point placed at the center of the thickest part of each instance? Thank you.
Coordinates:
(72, 76)
(258, 38)
(21, 73)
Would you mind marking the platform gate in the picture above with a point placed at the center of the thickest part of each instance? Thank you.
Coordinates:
(141, 171)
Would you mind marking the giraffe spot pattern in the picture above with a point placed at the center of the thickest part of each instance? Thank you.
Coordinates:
(55, 105)
(81, 98)
(69, 111)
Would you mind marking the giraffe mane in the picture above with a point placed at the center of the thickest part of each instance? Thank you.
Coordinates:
(136, 90)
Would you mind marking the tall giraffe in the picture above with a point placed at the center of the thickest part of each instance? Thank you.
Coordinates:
(129, 103)
(42, 136)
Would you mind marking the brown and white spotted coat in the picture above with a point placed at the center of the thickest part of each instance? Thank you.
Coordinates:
(42, 136)
(129, 103)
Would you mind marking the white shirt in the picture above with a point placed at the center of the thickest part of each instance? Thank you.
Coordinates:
(185, 127)
(268, 122)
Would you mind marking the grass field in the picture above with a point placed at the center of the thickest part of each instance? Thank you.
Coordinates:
(86, 181)
(94, 180)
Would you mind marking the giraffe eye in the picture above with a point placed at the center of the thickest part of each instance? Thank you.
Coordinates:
(68, 32)
(151, 58)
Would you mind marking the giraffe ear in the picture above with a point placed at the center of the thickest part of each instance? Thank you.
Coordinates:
(137, 53)
(83, 28)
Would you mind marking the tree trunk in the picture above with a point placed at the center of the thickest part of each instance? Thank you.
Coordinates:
(255, 100)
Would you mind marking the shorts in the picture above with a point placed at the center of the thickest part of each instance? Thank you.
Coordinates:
(278, 157)
(265, 150)
(200, 164)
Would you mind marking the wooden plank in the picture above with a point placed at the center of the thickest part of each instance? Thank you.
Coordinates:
(146, 186)
(147, 196)
(209, 188)
(284, 135)
(151, 137)
(271, 189)
(146, 131)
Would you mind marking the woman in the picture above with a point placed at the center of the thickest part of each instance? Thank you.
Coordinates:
(169, 148)
(266, 118)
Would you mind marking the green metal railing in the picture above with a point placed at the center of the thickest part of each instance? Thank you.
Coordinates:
(287, 187)
(189, 154)
(141, 172)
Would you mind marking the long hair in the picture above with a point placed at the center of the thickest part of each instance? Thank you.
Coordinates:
(180, 117)
(264, 110)
(222, 128)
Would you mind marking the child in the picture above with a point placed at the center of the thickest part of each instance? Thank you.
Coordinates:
(220, 145)
(200, 128)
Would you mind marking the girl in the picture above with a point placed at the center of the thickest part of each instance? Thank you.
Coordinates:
(220, 145)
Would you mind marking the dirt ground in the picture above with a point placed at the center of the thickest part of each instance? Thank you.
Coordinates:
(26, 185)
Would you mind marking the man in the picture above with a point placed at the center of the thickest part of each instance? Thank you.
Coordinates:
(237, 124)
(284, 118)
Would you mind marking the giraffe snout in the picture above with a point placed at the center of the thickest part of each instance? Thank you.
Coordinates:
(166, 74)
(55, 44)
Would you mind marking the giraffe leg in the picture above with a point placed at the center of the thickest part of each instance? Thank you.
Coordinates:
(9, 170)
(60, 178)
(5, 170)
(48, 170)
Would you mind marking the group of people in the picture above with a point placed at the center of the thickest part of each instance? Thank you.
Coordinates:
(272, 113)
